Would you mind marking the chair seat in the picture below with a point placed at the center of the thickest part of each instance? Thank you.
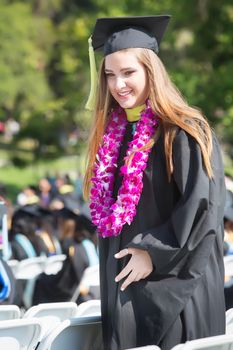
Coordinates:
(9, 343)
(26, 332)
(76, 333)
(9, 312)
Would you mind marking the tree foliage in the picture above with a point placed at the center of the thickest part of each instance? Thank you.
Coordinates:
(44, 67)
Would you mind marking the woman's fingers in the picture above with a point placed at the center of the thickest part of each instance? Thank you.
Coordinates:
(138, 267)
(133, 277)
(127, 269)
(122, 253)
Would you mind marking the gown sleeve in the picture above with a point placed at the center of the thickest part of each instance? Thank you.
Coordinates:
(198, 213)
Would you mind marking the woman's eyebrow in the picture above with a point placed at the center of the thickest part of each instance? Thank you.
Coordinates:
(121, 70)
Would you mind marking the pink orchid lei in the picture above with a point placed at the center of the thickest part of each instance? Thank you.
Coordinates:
(107, 214)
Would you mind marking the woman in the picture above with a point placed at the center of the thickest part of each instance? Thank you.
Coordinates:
(157, 193)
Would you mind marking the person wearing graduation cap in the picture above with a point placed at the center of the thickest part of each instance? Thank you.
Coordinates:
(156, 185)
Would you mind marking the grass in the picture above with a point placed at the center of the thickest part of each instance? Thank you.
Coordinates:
(15, 178)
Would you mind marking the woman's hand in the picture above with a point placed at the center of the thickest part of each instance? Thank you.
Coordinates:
(138, 267)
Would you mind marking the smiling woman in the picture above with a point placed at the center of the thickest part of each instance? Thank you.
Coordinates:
(127, 79)
(156, 186)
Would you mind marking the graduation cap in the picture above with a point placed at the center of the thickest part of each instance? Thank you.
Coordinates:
(83, 222)
(31, 210)
(114, 34)
(66, 213)
(118, 33)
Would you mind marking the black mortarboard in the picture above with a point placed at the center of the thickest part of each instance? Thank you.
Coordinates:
(65, 213)
(114, 34)
(33, 210)
(29, 210)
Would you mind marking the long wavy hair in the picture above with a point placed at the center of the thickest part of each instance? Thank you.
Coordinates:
(166, 100)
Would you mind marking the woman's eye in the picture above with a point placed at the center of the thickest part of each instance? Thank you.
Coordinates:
(109, 75)
(129, 72)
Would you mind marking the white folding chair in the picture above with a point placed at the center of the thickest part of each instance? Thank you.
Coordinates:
(229, 316)
(62, 310)
(147, 347)
(9, 343)
(51, 314)
(26, 332)
(9, 312)
(89, 308)
(13, 263)
(228, 265)
(30, 268)
(90, 278)
(54, 263)
(219, 342)
(229, 321)
(81, 333)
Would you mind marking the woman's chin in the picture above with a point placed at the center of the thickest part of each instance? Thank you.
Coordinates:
(127, 104)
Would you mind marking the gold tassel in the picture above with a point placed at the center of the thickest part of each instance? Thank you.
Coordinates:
(93, 74)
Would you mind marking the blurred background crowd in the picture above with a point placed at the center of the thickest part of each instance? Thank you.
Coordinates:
(51, 218)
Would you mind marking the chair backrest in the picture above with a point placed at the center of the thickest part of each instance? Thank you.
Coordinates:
(9, 343)
(61, 310)
(147, 347)
(9, 312)
(13, 265)
(81, 333)
(54, 263)
(89, 308)
(229, 321)
(220, 342)
(229, 316)
(90, 278)
(228, 265)
(26, 332)
(30, 268)
(51, 314)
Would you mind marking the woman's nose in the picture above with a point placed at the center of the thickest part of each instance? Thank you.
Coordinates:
(119, 83)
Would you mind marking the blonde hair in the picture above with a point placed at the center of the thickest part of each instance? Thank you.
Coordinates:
(166, 100)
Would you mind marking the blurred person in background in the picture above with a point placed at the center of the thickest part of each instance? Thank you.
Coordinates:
(81, 253)
(45, 192)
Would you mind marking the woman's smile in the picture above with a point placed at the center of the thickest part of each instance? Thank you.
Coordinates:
(126, 78)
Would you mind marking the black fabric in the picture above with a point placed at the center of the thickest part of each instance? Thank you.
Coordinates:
(228, 292)
(18, 252)
(130, 38)
(114, 34)
(60, 287)
(180, 224)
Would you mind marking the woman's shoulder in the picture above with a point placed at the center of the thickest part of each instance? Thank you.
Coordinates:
(184, 138)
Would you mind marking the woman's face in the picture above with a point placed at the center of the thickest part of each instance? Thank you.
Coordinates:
(126, 78)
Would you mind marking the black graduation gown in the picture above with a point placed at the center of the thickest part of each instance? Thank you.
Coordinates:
(180, 224)
(61, 286)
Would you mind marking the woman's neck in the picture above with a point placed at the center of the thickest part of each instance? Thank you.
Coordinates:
(133, 114)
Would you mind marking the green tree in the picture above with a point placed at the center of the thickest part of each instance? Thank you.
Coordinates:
(44, 65)
(23, 59)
